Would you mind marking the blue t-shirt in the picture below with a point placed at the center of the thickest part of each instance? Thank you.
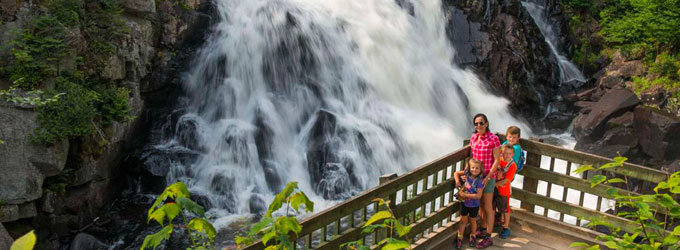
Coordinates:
(518, 152)
(471, 187)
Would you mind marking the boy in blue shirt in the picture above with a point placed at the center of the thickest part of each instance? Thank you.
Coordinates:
(512, 137)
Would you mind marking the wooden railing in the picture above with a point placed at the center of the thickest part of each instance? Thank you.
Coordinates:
(541, 168)
(423, 198)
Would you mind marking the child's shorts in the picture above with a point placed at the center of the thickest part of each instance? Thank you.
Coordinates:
(501, 203)
(469, 211)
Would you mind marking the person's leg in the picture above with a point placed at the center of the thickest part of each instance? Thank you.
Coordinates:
(463, 224)
(488, 212)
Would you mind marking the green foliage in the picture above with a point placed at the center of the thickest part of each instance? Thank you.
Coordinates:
(25, 242)
(389, 223)
(173, 202)
(666, 65)
(37, 51)
(276, 232)
(32, 98)
(654, 233)
(77, 110)
(70, 117)
(578, 4)
(48, 52)
(641, 21)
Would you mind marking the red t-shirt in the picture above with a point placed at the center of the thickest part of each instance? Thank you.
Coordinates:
(508, 173)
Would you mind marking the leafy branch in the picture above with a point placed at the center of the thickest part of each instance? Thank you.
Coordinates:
(276, 233)
(389, 223)
(173, 202)
(651, 233)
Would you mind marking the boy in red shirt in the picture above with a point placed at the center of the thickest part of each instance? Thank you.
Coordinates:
(505, 175)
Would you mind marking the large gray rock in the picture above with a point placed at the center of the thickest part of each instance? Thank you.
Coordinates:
(141, 6)
(25, 164)
(137, 48)
(659, 133)
(85, 241)
(13, 212)
(614, 102)
(5, 239)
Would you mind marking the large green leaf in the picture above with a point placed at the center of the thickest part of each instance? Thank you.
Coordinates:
(240, 240)
(666, 200)
(671, 240)
(153, 240)
(597, 180)
(578, 244)
(168, 210)
(25, 242)
(396, 245)
(203, 226)
(268, 236)
(401, 229)
(616, 180)
(174, 191)
(611, 244)
(300, 198)
(583, 169)
(378, 216)
(676, 230)
(284, 225)
(191, 206)
(178, 190)
(264, 222)
(281, 198)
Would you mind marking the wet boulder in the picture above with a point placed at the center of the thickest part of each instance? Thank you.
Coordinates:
(658, 132)
(613, 103)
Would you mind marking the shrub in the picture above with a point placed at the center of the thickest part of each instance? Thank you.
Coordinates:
(173, 202)
(276, 233)
(641, 21)
(70, 117)
(389, 223)
(650, 233)
(37, 52)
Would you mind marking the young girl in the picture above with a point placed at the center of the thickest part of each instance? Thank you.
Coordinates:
(474, 184)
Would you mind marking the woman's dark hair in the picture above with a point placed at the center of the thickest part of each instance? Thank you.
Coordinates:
(486, 120)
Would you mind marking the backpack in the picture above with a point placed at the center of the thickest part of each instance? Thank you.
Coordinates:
(520, 164)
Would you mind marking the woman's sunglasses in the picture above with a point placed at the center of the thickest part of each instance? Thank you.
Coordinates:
(479, 123)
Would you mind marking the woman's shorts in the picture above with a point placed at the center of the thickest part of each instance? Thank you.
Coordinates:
(490, 186)
(469, 211)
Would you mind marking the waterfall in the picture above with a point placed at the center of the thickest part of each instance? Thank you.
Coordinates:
(569, 73)
(329, 93)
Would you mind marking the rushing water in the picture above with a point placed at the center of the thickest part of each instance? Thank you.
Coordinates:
(569, 73)
(329, 93)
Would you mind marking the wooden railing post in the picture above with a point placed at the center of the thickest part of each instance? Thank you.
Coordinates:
(533, 160)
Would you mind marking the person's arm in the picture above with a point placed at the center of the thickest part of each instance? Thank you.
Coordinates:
(475, 196)
(456, 177)
(496, 161)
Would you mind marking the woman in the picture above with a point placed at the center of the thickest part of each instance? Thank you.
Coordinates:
(486, 147)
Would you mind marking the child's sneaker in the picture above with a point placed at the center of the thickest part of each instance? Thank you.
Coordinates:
(459, 243)
(486, 242)
(480, 232)
(505, 233)
(473, 241)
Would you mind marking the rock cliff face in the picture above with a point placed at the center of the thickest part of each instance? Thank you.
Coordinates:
(613, 120)
(499, 40)
(60, 189)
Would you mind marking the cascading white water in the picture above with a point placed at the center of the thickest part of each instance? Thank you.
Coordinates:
(568, 71)
(328, 93)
